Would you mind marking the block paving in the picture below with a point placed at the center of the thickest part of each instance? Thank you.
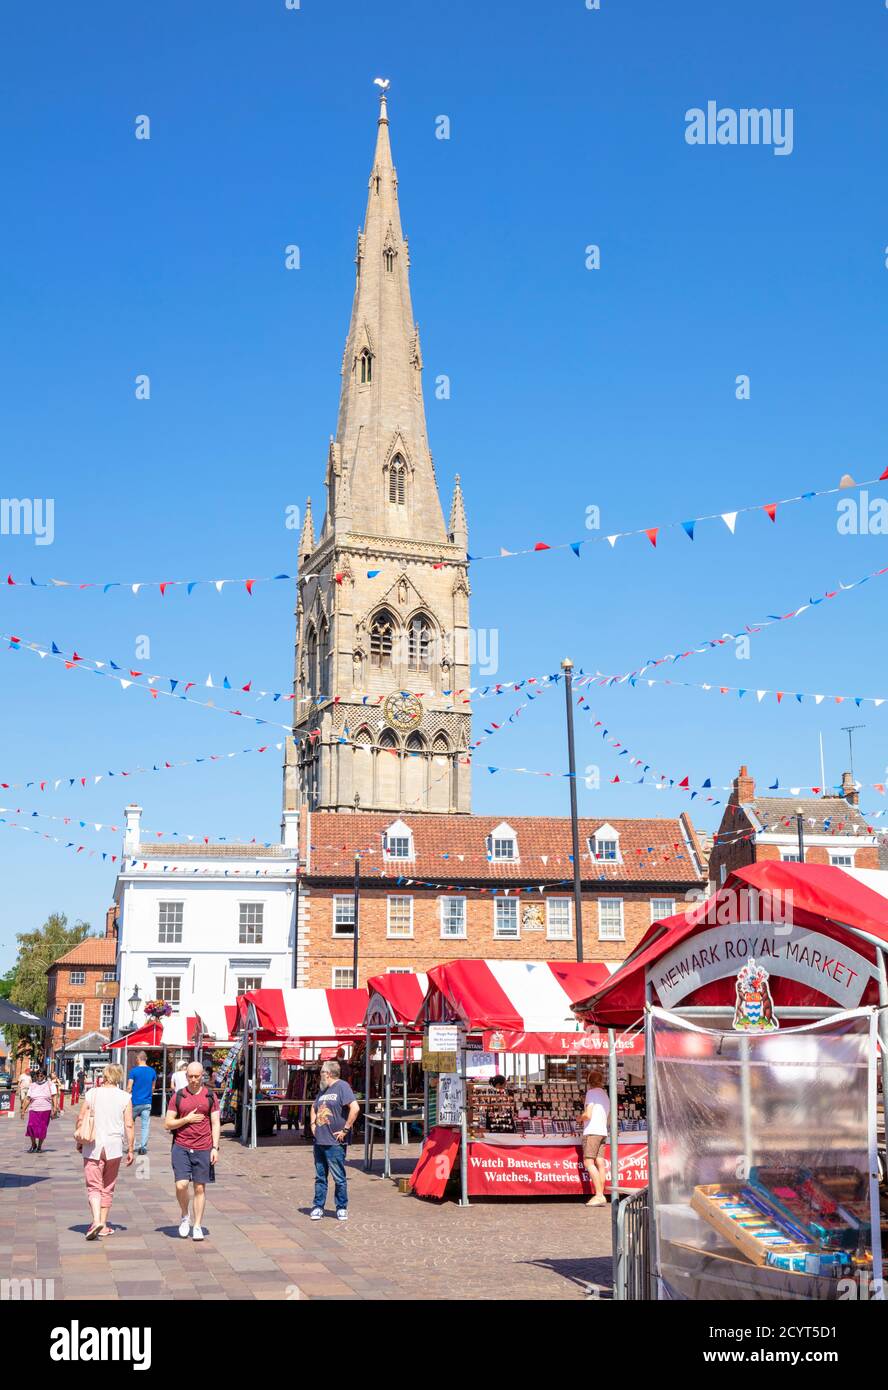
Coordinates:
(260, 1243)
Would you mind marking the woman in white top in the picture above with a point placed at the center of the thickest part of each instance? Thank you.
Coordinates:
(595, 1123)
(112, 1111)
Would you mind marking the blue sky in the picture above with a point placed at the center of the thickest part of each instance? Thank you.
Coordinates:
(570, 388)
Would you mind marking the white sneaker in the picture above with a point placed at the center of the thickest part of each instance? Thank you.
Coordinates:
(184, 1228)
(197, 1233)
(342, 1214)
(317, 1213)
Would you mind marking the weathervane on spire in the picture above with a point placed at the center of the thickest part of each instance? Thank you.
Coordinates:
(383, 83)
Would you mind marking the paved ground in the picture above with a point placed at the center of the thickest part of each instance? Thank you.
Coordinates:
(260, 1243)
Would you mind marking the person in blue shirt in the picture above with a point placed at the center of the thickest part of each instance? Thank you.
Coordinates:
(141, 1087)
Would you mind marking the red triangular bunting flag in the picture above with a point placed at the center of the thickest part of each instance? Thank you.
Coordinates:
(771, 509)
(652, 535)
(541, 545)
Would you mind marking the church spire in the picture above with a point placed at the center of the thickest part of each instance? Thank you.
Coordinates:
(459, 527)
(307, 535)
(383, 595)
(381, 430)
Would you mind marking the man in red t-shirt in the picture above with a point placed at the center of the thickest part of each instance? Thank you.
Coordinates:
(193, 1119)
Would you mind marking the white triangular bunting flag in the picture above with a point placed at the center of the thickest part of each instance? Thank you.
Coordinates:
(730, 520)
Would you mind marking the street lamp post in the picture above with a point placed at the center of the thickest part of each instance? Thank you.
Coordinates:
(357, 910)
(134, 1001)
(800, 826)
(567, 668)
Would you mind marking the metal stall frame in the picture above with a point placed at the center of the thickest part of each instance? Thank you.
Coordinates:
(252, 1035)
(379, 1022)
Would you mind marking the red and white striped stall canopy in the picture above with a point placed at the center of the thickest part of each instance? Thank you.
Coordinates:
(815, 928)
(149, 1035)
(399, 997)
(517, 1005)
(308, 1014)
(214, 1022)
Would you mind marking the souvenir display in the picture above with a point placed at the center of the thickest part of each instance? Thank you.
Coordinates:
(831, 1205)
(755, 1224)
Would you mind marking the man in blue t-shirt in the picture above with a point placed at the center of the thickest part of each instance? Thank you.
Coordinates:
(141, 1087)
(333, 1114)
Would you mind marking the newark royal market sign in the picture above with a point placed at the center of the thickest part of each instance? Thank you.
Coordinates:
(784, 950)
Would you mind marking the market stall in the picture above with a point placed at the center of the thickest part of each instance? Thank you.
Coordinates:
(287, 1018)
(168, 1039)
(524, 1137)
(395, 1003)
(764, 1008)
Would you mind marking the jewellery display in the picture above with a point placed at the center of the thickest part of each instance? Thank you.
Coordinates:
(543, 1108)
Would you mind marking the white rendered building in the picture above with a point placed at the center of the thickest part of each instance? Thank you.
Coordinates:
(199, 924)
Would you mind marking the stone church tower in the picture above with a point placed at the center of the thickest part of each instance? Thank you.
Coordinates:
(380, 720)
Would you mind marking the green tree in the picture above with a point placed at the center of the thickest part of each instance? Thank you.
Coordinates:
(37, 950)
(6, 983)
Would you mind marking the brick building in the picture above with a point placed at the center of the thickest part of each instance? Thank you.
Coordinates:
(74, 985)
(436, 888)
(756, 828)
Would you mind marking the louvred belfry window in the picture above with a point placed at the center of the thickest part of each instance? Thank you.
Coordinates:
(419, 645)
(381, 640)
(398, 481)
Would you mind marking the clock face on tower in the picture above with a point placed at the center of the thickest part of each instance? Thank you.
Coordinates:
(402, 711)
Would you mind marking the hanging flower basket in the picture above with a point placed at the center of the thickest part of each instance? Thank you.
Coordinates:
(158, 1008)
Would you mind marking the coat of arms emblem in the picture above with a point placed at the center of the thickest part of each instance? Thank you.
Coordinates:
(754, 1009)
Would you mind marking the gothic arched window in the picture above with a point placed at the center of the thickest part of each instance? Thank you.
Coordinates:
(388, 257)
(311, 652)
(324, 661)
(366, 361)
(398, 481)
(419, 644)
(382, 630)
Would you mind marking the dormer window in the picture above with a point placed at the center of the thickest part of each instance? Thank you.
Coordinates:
(502, 845)
(398, 481)
(605, 845)
(366, 367)
(398, 841)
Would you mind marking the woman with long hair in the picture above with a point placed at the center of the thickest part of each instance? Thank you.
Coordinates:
(104, 1123)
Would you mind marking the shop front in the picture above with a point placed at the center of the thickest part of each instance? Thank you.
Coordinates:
(765, 1014)
(519, 1133)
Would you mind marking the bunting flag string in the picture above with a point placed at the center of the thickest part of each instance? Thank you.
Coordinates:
(70, 844)
(750, 629)
(135, 587)
(53, 784)
(688, 527)
(99, 827)
(787, 695)
(128, 675)
(74, 662)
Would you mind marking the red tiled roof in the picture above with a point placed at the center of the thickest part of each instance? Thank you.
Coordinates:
(95, 950)
(455, 846)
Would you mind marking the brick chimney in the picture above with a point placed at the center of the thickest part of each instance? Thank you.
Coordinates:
(849, 790)
(111, 922)
(744, 786)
